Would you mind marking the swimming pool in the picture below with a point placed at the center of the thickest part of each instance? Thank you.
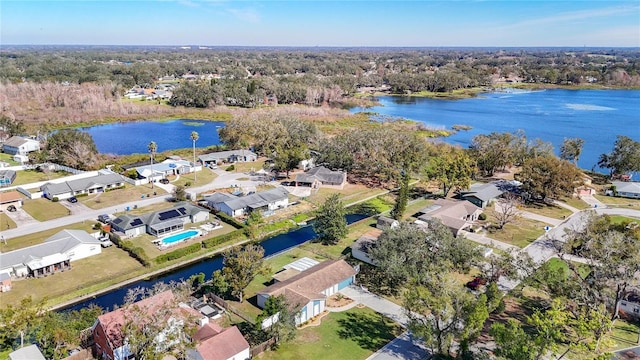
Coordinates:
(176, 238)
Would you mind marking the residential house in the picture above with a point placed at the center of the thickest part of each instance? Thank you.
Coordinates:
(9, 198)
(94, 184)
(456, 215)
(230, 156)
(264, 201)
(107, 331)
(360, 248)
(481, 194)
(627, 189)
(307, 291)
(5, 282)
(168, 167)
(216, 343)
(30, 352)
(7, 177)
(160, 222)
(17, 145)
(384, 223)
(320, 175)
(52, 255)
(629, 306)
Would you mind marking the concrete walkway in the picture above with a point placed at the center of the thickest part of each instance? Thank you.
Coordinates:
(593, 202)
(377, 303)
(404, 347)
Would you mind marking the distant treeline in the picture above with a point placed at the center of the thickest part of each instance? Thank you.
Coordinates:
(245, 76)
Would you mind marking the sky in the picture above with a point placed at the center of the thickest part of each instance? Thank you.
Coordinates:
(419, 23)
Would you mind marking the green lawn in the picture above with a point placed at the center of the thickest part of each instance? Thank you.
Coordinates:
(415, 206)
(344, 245)
(576, 203)
(43, 209)
(353, 334)
(241, 167)
(552, 211)
(37, 238)
(625, 333)
(520, 234)
(8, 158)
(200, 178)
(350, 194)
(118, 196)
(31, 176)
(6, 222)
(619, 219)
(619, 201)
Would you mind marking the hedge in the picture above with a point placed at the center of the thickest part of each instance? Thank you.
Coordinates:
(176, 254)
(220, 239)
(230, 220)
(135, 252)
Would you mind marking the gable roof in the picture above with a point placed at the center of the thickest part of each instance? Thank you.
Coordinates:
(178, 211)
(30, 352)
(484, 192)
(224, 345)
(9, 196)
(627, 186)
(366, 240)
(309, 284)
(451, 213)
(224, 155)
(255, 200)
(52, 249)
(112, 322)
(323, 175)
(101, 180)
(17, 141)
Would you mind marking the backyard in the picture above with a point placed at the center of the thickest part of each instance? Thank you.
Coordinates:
(353, 334)
(31, 176)
(521, 233)
(118, 196)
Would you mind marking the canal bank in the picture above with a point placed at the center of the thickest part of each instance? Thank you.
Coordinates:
(206, 264)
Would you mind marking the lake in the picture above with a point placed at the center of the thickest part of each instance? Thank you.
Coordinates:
(596, 116)
(134, 137)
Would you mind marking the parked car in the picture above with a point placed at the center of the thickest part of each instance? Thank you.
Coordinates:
(476, 283)
(72, 200)
(164, 181)
(11, 208)
(104, 218)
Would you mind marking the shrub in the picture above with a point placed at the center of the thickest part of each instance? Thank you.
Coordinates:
(114, 188)
(221, 239)
(55, 199)
(187, 184)
(230, 220)
(482, 217)
(176, 254)
(97, 226)
(230, 168)
(81, 195)
(135, 252)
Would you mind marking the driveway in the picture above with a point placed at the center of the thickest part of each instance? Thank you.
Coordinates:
(75, 208)
(21, 218)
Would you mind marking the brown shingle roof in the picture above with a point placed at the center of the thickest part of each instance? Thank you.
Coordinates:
(224, 345)
(310, 283)
(9, 196)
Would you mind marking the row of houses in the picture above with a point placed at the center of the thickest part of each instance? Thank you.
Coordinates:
(102, 182)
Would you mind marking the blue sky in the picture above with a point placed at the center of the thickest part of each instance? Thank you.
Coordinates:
(322, 23)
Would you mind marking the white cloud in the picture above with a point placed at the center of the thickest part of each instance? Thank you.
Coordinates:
(576, 15)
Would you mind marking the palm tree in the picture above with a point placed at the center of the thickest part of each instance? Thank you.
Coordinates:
(194, 138)
(153, 148)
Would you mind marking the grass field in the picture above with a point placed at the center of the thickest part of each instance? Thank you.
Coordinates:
(118, 196)
(31, 176)
(200, 178)
(619, 219)
(552, 211)
(112, 264)
(350, 194)
(43, 209)
(6, 222)
(619, 202)
(8, 158)
(353, 334)
(576, 203)
(521, 234)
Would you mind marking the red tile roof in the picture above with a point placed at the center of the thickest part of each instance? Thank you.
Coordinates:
(224, 345)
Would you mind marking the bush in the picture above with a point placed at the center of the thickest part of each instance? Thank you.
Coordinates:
(230, 168)
(482, 217)
(97, 226)
(176, 254)
(221, 239)
(187, 184)
(135, 252)
(230, 220)
(81, 195)
(55, 199)
(114, 188)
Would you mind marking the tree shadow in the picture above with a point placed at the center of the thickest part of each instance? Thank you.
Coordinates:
(370, 331)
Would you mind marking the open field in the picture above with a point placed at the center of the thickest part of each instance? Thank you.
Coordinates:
(43, 209)
(242, 167)
(350, 194)
(201, 178)
(31, 176)
(619, 202)
(552, 211)
(353, 334)
(118, 196)
(113, 264)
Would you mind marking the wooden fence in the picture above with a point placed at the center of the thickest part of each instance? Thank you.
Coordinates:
(225, 305)
(260, 348)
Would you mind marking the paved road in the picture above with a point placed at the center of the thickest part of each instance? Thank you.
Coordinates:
(80, 213)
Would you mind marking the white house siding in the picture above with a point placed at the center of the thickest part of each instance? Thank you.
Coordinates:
(201, 216)
(279, 204)
(244, 354)
(361, 255)
(135, 231)
(630, 308)
(83, 250)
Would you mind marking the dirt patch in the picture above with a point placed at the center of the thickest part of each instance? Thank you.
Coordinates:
(338, 300)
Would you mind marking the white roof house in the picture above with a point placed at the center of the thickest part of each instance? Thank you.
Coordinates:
(627, 189)
(67, 189)
(17, 145)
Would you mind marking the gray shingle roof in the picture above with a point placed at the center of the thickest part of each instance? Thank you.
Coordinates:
(103, 180)
(627, 186)
(322, 174)
(15, 141)
(59, 243)
(258, 199)
(225, 155)
(484, 192)
(127, 222)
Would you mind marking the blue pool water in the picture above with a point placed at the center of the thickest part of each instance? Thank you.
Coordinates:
(178, 237)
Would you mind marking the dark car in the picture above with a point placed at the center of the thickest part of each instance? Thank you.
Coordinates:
(476, 283)
(104, 218)
(11, 208)
(164, 181)
(72, 200)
